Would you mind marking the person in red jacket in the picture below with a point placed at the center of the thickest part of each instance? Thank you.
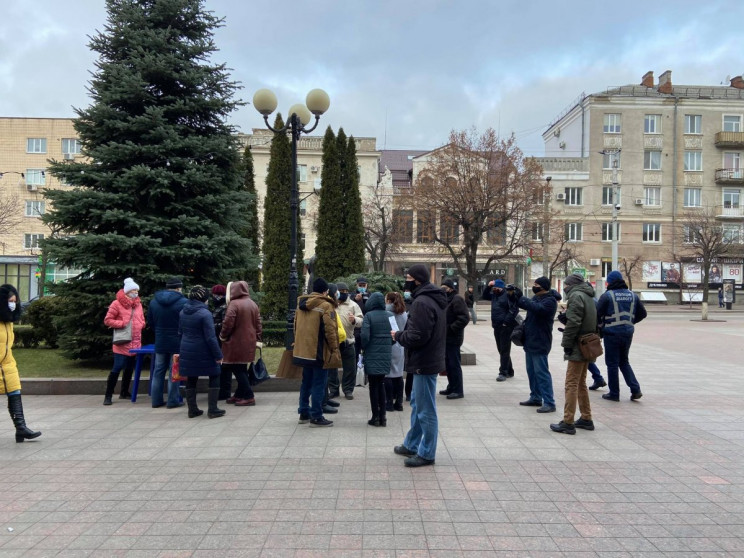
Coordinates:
(126, 307)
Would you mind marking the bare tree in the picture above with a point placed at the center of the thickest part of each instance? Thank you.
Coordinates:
(379, 238)
(10, 216)
(482, 189)
(628, 265)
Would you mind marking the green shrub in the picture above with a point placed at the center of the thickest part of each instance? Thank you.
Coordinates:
(40, 315)
(26, 337)
(274, 333)
(377, 281)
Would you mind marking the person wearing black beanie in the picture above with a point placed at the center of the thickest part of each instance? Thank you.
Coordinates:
(320, 285)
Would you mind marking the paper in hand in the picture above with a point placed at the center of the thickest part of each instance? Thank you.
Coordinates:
(393, 323)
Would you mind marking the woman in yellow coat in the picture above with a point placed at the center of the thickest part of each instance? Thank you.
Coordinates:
(10, 311)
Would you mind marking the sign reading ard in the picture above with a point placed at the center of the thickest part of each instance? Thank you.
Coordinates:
(498, 272)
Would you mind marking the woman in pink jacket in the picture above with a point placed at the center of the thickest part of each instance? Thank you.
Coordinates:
(127, 306)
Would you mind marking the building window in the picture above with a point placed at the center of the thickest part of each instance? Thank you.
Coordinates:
(36, 145)
(402, 226)
(609, 159)
(606, 268)
(35, 208)
(652, 124)
(692, 197)
(32, 240)
(693, 124)
(302, 173)
(732, 164)
(35, 177)
(303, 208)
(651, 232)
(689, 234)
(731, 123)
(449, 231)
(574, 232)
(574, 196)
(732, 233)
(425, 224)
(652, 160)
(537, 231)
(607, 195)
(71, 146)
(731, 199)
(607, 232)
(611, 124)
(317, 184)
(652, 196)
(693, 160)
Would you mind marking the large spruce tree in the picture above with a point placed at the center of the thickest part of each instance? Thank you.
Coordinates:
(330, 239)
(159, 192)
(251, 225)
(354, 260)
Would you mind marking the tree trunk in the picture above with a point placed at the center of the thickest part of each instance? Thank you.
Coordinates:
(705, 310)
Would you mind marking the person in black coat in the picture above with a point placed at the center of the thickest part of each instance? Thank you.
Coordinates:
(377, 355)
(504, 312)
(457, 317)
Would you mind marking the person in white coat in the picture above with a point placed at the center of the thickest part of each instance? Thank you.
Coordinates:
(394, 380)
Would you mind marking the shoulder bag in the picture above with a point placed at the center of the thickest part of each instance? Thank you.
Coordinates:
(590, 345)
(517, 334)
(258, 372)
(123, 335)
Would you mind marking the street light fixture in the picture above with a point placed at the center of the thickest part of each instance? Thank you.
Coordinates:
(316, 103)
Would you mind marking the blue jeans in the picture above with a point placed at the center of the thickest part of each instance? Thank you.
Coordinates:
(162, 370)
(541, 382)
(313, 384)
(617, 348)
(596, 374)
(422, 437)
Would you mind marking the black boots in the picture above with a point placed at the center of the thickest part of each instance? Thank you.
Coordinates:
(15, 408)
(126, 379)
(110, 385)
(194, 411)
(212, 398)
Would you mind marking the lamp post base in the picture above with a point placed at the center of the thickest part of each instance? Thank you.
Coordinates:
(286, 368)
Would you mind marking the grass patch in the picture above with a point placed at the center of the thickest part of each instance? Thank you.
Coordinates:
(50, 363)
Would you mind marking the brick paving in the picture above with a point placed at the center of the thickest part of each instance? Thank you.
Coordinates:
(660, 477)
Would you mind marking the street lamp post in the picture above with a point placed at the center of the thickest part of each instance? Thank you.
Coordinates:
(547, 199)
(317, 102)
(615, 154)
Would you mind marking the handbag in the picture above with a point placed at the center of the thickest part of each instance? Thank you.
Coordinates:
(175, 370)
(517, 334)
(123, 335)
(590, 346)
(360, 377)
(258, 372)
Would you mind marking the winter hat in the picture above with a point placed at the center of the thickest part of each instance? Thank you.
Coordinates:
(499, 284)
(419, 272)
(449, 283)
(130, 285)
(219, 290)
(173, 283)
(320, 285)
(544, 282)
(361, 279)
(198, 293)
(614, 276)
(573, 279)
(342, 286)
(332, 288)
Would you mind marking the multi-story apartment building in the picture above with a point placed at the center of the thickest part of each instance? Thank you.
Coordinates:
(673, 151)
(26, 144)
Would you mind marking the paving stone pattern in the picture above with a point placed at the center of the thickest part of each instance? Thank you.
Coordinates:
(660, 477)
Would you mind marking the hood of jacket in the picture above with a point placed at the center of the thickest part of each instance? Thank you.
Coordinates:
(193, 306)
(433, 292)
(556, 295)
(313, 300)
(582, 288)
(615, 285)
(167, 298)
(236, 290)
(376, 302)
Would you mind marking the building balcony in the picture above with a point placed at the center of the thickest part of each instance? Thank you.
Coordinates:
(727, 212)
(729, 176)
(564, 164)
(729, 139)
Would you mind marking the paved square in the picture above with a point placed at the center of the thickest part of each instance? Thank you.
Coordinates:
(660, 477)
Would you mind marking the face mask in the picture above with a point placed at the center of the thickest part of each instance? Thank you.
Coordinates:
(12, 306)
(362, 289)
(407, 295)
(343, 296)
(409, 286)
(338, 295)
(499, 291)
(389, 307)
(132, 294)
(536, 290)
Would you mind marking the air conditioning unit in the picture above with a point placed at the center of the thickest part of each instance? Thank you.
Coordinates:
(32, 187)
(314, 168)
(69, 156)
(594, 261)
(639, 201)
(560, 197)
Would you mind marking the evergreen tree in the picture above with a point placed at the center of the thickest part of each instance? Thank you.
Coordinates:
(355, 260)
(277, 231)
(251, 225)
(159, 193)
(330, 239)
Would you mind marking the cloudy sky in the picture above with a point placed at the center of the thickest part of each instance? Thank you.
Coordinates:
(403, 71)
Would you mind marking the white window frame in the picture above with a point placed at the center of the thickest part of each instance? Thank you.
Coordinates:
(734, 120)
(651, 233)
(606, 268)
(537, 231)
(608, 158)
(36, 145)
(652, 196)
(694, 124)
(734, 196)
(689, 234)
(728, 229)
(35, 208)
(652, 159)
(693, 195)
(652, 124)
(693, 161)
(35, 177)
(733, 165)
(607, 231)
(607, 195)
(70, 146)
(574, 196)
(574, 232)
(31, 240)
(612, 123)
(301, 173)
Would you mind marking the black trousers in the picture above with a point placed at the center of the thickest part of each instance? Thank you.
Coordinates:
(377, 395)
(454, 369)
(502, 334)
(214, 382)
(393, 392)
(240, 371)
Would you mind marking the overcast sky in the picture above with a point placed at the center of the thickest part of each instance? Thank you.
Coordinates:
(403, 71)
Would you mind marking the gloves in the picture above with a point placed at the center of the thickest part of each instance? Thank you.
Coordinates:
(561, 329)
(567, 350)
(562, 318)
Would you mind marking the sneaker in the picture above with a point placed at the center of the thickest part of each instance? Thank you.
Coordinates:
(403, 450)
(334, 395)
(418, 461)
(455, 396)
(500, 378)
(322, 421)
(304, 419)
(610, 397)
(563, 428)
(531, 403)
(597, 385)
(332, 403)
(510, 374)
(546, 409)
(585, 424)
(635, 396)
